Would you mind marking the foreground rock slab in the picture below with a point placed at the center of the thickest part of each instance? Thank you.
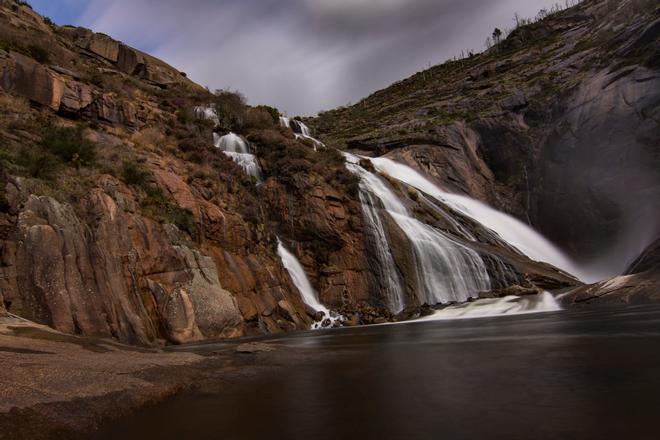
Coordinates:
(48, 375)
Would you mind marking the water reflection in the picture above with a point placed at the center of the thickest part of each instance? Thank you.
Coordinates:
(559, 375)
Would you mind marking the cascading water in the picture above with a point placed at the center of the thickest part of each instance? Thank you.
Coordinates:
(509, 305)
(231, 144)
(238, 150)
(447, 271)
(208, 113)
(300, 280)
(300, 130)
(514, 232)
(388, 276)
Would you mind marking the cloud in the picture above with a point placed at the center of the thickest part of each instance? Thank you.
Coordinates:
(303, 55)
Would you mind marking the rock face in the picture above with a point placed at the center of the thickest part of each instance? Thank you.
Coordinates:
(601, 163)
(122, 276)
(26, 77)
(649, 260)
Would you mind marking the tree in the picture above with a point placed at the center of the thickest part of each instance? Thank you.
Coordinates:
(497, 36)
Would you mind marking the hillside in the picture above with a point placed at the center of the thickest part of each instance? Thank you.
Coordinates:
(119, 216)
(557, 124)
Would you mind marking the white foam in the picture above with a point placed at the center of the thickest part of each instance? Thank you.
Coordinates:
(519, 235)
(509, 305)
(300, 280)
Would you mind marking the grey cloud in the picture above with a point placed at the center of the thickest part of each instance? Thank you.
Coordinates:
(303, 55)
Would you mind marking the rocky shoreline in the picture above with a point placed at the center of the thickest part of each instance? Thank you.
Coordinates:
(54, 385)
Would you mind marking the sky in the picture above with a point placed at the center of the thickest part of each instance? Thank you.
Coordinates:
(301, 56)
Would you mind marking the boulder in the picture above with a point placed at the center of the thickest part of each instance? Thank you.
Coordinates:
(129, 60)
(26, 77)
(76, 96)
(104, 46)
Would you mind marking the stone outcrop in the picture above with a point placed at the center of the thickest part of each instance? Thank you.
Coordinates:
(122, 276)
(26, 77)
(125, 58)
(636, 289)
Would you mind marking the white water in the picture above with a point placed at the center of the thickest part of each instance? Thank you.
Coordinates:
(231, 143)
(236, 148)
(447, 271)
(509, 305)
(209, 113)
(511, 230)
(388, 275)
(300, 130)
(300, 280)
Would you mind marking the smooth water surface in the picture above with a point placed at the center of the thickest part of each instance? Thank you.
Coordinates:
(560, 375)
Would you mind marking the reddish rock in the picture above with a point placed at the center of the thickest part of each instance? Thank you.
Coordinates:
(24, 76)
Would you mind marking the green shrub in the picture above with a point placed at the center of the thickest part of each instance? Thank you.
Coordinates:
(272, 111)
(38, 53)
(39, 164)
(34, 51)
(231, 109)
(184, 117)
(258, 118)
(135, 174)
(159, 207)
(70, 145)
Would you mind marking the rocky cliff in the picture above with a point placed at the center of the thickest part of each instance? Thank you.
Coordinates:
(557, 124)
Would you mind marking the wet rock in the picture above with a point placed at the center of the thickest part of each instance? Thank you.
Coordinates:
(352, 321)
(636, 289)
(254, 347)
(647, 260)
(514, 290)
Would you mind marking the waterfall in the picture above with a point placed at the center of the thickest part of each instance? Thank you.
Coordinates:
(300, 280)
(447, 271)
(514, 232)
(388, 276)
(206, 112)
(231, 143)
(509, 305)
(300, 130)
(236, 148)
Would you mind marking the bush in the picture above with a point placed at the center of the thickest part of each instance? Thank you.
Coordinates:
(272, 111)
(231, 109)
(70, 145)
(38, 53)
(157, 206)
(135, 174)
(258, 118)
(38, 164)
(184, 117)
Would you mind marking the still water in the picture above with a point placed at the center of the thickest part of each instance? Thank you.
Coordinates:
(560, 375)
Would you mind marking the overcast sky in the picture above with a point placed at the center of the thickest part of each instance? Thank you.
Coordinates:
(301, 56)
